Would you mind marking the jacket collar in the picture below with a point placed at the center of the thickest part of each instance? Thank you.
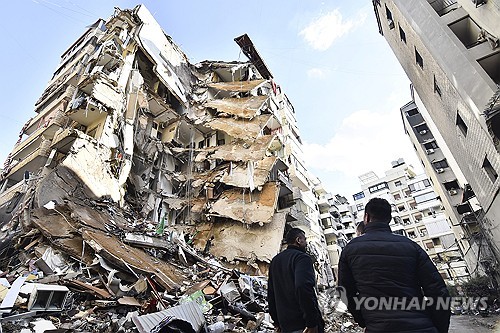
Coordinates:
(295, 248)
(377, 226)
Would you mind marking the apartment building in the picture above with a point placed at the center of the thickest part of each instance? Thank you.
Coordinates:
(417, 213)
(450, 51)
(211, 149)
(459, 203)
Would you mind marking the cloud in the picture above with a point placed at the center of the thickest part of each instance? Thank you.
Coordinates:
(323, 31)
(366, 141)
(316, 73)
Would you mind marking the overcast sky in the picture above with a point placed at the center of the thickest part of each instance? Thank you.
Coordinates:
(339, 73)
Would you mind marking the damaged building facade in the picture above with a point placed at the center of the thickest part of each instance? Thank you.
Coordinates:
(129, 135)
(450, 52)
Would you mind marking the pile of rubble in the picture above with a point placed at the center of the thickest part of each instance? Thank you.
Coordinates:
(96, 270)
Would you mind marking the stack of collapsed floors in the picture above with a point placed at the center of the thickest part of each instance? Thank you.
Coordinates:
(210, 150)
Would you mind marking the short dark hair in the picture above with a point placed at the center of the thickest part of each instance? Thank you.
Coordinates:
(292, 235)
(379, 210)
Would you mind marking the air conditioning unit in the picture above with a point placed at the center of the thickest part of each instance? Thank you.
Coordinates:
(453, 192)
(422, 132)
(429, 151)
(440, 170)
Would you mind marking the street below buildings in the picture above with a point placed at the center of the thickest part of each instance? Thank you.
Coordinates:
(476, 324)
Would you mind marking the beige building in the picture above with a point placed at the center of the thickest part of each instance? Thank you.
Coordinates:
(450, 52)
(211, 150)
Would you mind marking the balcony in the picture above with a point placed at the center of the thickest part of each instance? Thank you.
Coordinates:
(286, 184)
(330, 231)
(298, 177)
(346, 219)
(9, 193)
(323, 203)
(32, 161)
(45, 131)
(349, 231)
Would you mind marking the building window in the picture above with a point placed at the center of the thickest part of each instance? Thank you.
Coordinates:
(491, 66)
(412, 112)
(418, 59)
(390, 20)
(461, 125)
(378, 187)
(490, 171)
(431, 145)
(359, 195)
(437, 90)
(402, 34)
(419, 185)
(422, 129)
(443, 7)
(397, 196)
(360, 207)
(467, 31)
(397, 183)
(440, 164)
(425, 197)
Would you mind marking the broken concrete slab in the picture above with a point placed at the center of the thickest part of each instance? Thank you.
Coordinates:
(244, 107)
(247, 130)
(248, 207)
(238, 86)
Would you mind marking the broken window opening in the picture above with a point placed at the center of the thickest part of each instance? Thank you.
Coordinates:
(461, 124)
(412, 112)
(491, 65)
(402, 34)
(390, 20)
(418, 59)
(451, 185)
(489, 169)
(467, 31)
(443, 7)
(437, 90)
(440, 165)
(431, 145)
(422, 129)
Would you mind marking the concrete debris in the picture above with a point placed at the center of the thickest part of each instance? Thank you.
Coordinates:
(148, 193)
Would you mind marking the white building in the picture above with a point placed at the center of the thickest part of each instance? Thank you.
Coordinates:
(417, 213)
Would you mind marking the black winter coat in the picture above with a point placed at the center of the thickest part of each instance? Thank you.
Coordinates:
(292, 300)
(382, 265)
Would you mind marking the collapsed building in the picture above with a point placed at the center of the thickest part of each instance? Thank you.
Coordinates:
(130, 137)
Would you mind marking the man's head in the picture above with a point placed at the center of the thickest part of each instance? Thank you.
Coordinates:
(378, 210)
(297, 237)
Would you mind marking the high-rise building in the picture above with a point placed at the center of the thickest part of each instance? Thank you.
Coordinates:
(450, 51)
(210, 149)
(450, 186)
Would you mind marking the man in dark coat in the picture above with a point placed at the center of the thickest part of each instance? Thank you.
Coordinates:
(386, 276)
(292, 300)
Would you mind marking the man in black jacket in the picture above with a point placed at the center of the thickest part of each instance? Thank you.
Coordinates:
(292, 300)
(386, 276)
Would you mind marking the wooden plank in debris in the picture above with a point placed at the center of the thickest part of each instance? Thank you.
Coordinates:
(90, 288)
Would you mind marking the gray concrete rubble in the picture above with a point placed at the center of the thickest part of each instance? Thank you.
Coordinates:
(150, 194)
